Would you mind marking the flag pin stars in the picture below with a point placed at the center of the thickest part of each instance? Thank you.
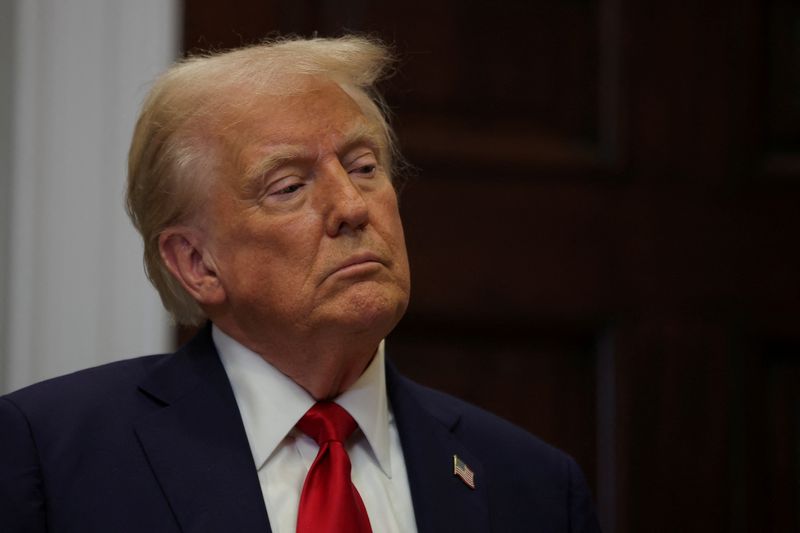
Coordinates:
(461, 470)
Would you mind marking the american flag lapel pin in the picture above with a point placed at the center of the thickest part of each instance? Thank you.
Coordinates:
(461, 470)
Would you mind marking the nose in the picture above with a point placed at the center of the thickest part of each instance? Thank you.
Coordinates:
(346, 209)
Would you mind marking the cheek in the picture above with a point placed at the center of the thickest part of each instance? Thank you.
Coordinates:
(390, 214)
(279, 259)
(394, 236)
(399, 246)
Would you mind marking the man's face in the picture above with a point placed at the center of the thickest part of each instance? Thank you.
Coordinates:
(304, 231)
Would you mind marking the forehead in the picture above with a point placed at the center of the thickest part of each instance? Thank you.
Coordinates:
(316, 115)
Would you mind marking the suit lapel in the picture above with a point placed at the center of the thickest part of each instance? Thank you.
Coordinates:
(442, 501)
(196, 444)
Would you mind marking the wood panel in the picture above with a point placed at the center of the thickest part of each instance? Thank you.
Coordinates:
(765, 451)
(783, 71)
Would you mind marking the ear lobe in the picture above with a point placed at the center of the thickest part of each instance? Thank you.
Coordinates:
(182, 253)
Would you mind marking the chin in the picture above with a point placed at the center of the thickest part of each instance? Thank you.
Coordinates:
(375, 313)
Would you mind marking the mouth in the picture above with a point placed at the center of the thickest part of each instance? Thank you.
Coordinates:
(357, 263)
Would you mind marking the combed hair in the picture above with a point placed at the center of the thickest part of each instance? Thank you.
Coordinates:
(171, 163)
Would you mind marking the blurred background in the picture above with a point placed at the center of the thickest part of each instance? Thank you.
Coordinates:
(603, 221)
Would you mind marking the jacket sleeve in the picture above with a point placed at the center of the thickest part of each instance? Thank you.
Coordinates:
(582, 518)
(22, 508)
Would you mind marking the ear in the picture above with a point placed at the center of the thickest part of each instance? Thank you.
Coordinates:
(182, 251)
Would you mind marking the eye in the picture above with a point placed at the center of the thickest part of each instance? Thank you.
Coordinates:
(285, 188)
(365, 170)
(289, 189)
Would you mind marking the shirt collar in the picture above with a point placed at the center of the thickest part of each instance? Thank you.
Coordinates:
(271, 403)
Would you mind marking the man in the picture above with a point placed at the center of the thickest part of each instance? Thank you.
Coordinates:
(260, 180)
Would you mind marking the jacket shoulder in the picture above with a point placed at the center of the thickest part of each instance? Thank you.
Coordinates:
(85, 390)
(503, 446)
(520, 469)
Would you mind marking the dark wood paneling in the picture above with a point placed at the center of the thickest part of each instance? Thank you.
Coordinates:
(209, 26)
(782, 70)
(766, 444)
(783, 100)
(673, 424)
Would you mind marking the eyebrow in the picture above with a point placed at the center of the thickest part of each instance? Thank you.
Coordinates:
(362, 133)
(278, 156)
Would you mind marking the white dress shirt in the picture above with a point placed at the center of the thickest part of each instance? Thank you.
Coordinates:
(271, 404)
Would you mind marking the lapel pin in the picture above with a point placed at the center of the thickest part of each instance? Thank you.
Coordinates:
(461, 470)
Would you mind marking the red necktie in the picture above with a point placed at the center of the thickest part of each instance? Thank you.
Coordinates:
(330, 502)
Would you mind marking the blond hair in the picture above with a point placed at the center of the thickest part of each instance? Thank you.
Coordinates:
(170, 165)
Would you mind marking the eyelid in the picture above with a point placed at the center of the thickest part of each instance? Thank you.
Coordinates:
(365, 160)
(274, 186)
(364, 169)
(359, 153)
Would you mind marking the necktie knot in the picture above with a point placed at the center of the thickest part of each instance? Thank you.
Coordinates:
(329, 502)
(327, 421)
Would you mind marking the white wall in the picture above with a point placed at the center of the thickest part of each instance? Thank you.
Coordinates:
(75, 291)
(7, 10)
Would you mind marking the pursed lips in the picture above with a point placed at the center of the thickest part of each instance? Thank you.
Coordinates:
(357, 259)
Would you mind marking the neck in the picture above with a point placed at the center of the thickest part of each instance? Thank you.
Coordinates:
(328, 375)
(323, 367)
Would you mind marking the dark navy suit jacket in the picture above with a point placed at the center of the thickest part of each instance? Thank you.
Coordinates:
(156, 444)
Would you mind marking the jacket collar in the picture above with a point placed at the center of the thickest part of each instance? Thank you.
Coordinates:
(442, 501)
(196, 444)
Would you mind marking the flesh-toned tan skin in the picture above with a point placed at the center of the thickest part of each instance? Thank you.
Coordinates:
(299, 253)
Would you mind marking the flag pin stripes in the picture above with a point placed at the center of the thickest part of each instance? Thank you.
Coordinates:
(461, 470)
